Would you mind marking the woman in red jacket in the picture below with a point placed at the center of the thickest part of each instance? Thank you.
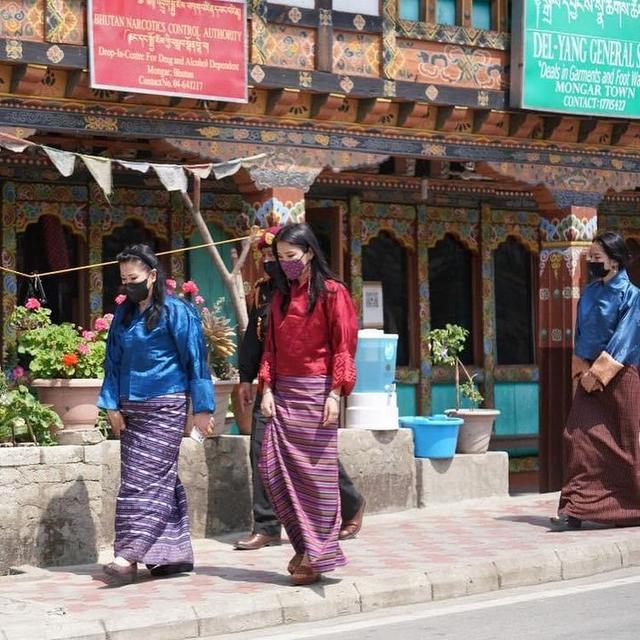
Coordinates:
(307, 367)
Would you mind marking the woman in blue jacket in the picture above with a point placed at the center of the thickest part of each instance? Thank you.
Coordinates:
(602, 434)
(156, 362)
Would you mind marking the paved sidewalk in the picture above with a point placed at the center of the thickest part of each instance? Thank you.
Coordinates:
(401, 558)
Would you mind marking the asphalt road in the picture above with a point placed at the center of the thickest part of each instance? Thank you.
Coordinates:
(604, 607)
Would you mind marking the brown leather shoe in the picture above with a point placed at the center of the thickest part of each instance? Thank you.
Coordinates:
(258, 540)
(350, 528)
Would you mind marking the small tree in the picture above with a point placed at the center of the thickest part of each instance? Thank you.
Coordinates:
(445, 346)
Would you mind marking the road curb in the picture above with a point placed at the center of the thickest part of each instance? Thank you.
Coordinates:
(332, 598)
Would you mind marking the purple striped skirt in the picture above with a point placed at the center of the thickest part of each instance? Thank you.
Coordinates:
(299, 469)
(152, 524)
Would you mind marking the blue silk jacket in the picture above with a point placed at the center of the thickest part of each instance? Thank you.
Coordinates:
(170, 359)
(609, 320)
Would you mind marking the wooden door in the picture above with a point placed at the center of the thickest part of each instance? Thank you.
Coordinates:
(327, 225)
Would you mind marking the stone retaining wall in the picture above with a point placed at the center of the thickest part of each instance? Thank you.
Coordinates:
(57, 504)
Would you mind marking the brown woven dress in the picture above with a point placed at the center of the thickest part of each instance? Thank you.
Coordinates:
(602, 453)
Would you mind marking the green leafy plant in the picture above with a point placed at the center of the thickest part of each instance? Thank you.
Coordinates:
(23, 418)
(50, 350)
(445, 346)
(219, 335)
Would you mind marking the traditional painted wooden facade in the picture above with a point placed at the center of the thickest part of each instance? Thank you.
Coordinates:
(393, 137)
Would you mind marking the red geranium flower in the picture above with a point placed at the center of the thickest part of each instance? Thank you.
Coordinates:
(190, 287)
(70, 359)
(32, 303)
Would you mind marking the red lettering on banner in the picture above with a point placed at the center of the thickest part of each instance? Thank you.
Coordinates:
(193, 49)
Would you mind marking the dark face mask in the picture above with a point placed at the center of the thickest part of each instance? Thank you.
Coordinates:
(137, 291)
(597, 270)
(270, 268)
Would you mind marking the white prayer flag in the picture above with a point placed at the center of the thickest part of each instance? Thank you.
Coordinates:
(172, 176)
(100, 169)
(64, 161)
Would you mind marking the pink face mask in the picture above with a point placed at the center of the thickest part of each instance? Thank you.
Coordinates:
(293, 269)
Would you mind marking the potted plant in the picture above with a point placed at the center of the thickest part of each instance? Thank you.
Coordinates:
(65, 364)
(23, 419)
(475, 433)
(220, 338)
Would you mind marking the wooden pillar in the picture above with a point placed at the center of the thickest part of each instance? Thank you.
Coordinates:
(355, 232)
(9, 258)
(96, 217)
(489, 344)
(324, 39)
(390, 58)
(565, 236)
(176, 221)
(275, 205)
(424, 393)
(275, 192)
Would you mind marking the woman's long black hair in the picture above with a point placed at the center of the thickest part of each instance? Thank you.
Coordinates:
(614, 246)
(302, 236)
(145, 255)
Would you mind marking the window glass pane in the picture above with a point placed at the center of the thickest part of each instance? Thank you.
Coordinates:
(410, 10)
(514, 309)
(446, 12)
(451, 289)
(385, 260)
(370, 7)
(305, 4)
(481, 15)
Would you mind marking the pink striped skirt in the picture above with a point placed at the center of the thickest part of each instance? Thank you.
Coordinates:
(299, 469)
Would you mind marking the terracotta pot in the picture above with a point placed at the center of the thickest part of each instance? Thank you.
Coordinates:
(475, 432)
(75, 402)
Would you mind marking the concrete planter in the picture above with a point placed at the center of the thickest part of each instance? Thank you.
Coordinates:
(75, 402)
(475, 432)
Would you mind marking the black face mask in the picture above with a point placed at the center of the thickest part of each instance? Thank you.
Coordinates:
(597, 270)
(137, 291)
(270, 268)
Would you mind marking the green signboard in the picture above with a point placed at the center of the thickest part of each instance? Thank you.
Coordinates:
(577, 56)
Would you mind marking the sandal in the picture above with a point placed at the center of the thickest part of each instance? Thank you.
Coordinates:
(121, 574)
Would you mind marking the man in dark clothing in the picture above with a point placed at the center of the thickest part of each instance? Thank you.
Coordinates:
(266, 527)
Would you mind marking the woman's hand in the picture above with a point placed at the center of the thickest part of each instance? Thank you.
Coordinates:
(331, 410)
(245, 394)
(268, 406)
(116, 420)
(590, 382)
(204, 423)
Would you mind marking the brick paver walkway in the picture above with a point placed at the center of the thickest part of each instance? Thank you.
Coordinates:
(389, 544)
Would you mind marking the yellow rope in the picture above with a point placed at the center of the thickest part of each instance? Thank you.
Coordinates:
(106, 264)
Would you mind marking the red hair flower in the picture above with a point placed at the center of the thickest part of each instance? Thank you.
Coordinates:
(121, 298)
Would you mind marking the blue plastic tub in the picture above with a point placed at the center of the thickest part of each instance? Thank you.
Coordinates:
(433, 437)
(375, 361)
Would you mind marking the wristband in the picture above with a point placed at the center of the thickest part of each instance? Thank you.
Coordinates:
(335, 396)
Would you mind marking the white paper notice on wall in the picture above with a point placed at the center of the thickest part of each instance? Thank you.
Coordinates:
(372, 305)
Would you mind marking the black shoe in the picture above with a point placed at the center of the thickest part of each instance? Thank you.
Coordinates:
(163, 570)
(564, 522)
